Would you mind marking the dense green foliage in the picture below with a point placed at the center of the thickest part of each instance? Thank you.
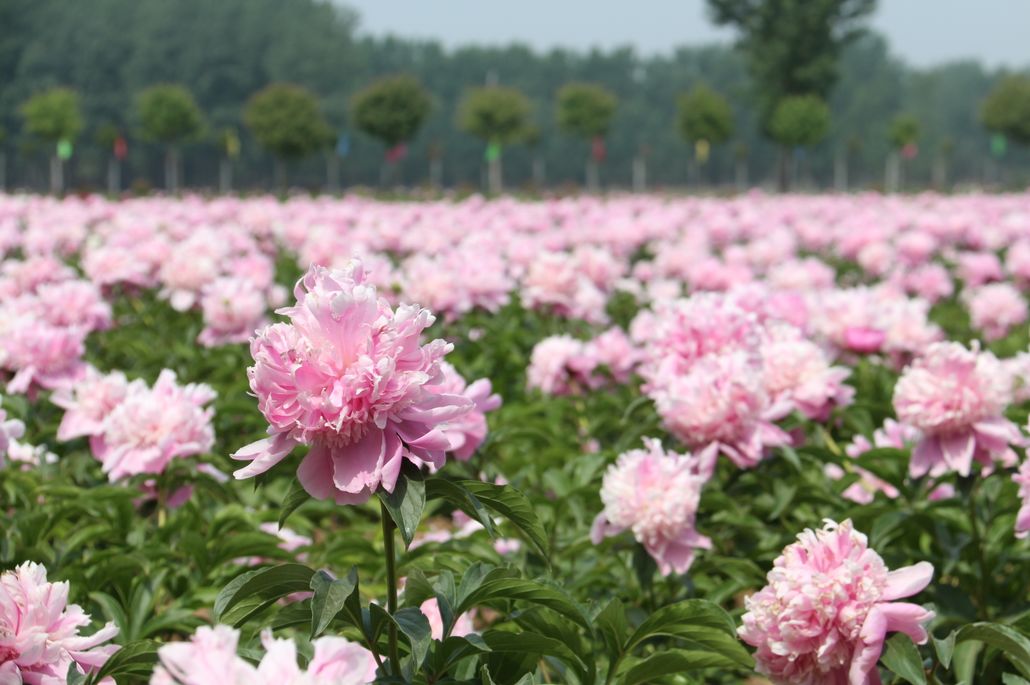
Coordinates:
(392, 109)
(225, 51)
(704, 115)
(800, 121)
(1007, 109)
(53, 115)
(285, 119)
(904, 131)
(585, 110)
(495, 114)
(168, 114)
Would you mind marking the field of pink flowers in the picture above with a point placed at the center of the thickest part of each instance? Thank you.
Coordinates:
(626, 440)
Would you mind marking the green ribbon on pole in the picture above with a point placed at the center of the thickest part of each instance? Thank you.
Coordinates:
(493, 151)
(64, 149)
(998, 145)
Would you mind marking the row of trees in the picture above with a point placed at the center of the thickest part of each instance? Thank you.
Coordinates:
(222, 53)
(287, 121)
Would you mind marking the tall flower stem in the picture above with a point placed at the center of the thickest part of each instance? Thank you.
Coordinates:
(391, 586)
(983, 587)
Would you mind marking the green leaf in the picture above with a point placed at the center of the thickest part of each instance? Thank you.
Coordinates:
(413, 624)
(330, 596)
(406, 503)
(532, 643)
(674, 661)
(1010, 679)
(513, 506)
(252, 591)
(458, 496)
(944, 649)
(614, 628)
(74, 676)
(1012, 644)
(294, 498)
(701, 624)
(517, 589)
(902, 658)
(135, 659)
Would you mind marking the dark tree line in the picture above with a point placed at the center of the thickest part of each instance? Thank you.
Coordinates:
(112, 51)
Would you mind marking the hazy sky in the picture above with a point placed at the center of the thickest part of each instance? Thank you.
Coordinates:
(922, 32)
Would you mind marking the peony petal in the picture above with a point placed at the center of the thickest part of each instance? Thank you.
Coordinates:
(910, 619)
(316, 472)
(263, 454)
(907, 581)
(958, 451)
(359, 465)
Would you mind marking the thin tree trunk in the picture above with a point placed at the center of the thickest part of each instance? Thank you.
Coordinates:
(840, 173)
(280, 174)
(114, 176)
(3, 171)
(436, 172)
(593, 180)
(741, 175)
(332, 173)
(172, 169)
(892, 173)
(940, 174)
(495, 181)
(56, 175)
(225, 175)
(539, 172)
(784, 169)
(639, 175)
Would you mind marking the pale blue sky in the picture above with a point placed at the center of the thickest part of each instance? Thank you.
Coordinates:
(922, 32)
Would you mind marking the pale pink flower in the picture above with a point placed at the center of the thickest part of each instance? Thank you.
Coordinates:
(10, 430)
(152, 426)
(347, 376)
(1017, 261)
(39, 630)
(468, 431)
(554, 365)
(40, 354)
(977, 268)
(613, 350)
(1018, 368)
(721, 406)
(956, 397)
(995, 309)
(89, 401)
(233, 310)
(555, 282)
(24, 277)
(462, 624)
(797, 371)
(932, 282)
(654, 494)
(74, 303)
(827, 609)
(210, 657)
(1022, 478)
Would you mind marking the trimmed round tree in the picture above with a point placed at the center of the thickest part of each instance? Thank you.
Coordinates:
(586, 110)
(797, 121)
(391, 110)
(169, 115)
(53, 116)
(1006, 110)
(286, 120)
(704, 118)
(499, 116)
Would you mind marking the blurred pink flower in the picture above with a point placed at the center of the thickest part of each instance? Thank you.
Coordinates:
(721, 406)
(468, 431)
(995, 309)
(956, 397)
(827, 609)
(462, 624)
(233, 309)
(347, 376)
(554, 366)
(39, 630)
(1022, 478)
(654, 494)
(152, 426)
(10, 430)
(797, 371)
(89, 401)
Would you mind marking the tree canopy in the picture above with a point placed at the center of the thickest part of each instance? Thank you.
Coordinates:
(392, 109)
(53, 115)
(495, 114)
(704, 114)
(1007, 109)
(585, 110)
(800, 121)
(286, 120)
(168, 113)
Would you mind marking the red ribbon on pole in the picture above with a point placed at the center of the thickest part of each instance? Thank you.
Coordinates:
(121, 148)
(397, 153)
(598, 150)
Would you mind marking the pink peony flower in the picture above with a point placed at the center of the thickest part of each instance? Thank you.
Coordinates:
(956, 397)
(828, 607)
(1022, 478)
(40, 354)
(89, 401)
(462, 624)
(654, 494)
(348, 377)
(233, 309)
(152, 426)
(721, 406)
(10, 430)
(977, 268)
(554, 365)
(797, 371)
(929, 281)
(39, 630)
(210, 657)
(468, 431)
(995, 309)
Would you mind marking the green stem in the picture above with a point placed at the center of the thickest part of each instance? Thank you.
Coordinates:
(983, 587)
(391, 586)
(162, 507)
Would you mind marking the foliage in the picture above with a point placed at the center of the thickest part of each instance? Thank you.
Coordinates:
(585, 110)
(1007, 109)
(904, 131)
(168, 113)
(53, 115)
(704, 114)
(392, 109)
(285, 119)
(495, 114)
(800, 121)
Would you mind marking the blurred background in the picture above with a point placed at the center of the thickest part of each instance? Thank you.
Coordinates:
(704, 95)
